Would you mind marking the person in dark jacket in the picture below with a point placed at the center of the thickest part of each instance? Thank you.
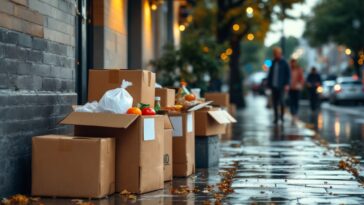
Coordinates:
(313, 81)
(278, 81)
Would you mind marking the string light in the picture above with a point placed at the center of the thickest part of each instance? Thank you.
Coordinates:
(250, 36)
(347, 51)
(229, 51)
(154, 7)
(182, 28)
(236, 27)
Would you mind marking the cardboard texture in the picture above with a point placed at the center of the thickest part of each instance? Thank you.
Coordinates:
(183, 144)
(168, 96)
(229, 128)
(168, 153)
(102, 80)
(67, 166)
(139, 151)
(219, 99)
(212, 121)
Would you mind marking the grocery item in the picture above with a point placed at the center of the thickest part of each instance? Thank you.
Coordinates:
(148, 111)
(157, 104)
(182, 91)
(116, 100)
(190, 97)
(135, 111)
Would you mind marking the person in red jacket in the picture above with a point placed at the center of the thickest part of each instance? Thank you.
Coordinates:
(296, 85)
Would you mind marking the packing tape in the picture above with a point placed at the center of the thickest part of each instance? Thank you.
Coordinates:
(114, 77)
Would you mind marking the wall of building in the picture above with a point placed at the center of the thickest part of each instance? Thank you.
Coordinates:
(37, 81)
(109, 34)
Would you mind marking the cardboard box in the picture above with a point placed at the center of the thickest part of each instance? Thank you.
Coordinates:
(102, 80)
(219, 99)
(139, 146)
(212, 121)
(168, 96)
(168, 151)
(183, 144)
(67, 166)
(229, 128)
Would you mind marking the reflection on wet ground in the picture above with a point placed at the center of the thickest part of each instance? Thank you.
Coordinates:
(280, 165)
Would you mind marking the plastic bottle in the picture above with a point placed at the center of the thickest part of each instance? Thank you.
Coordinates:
(157, 104)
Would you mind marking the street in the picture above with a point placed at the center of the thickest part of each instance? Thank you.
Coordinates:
(268, 164)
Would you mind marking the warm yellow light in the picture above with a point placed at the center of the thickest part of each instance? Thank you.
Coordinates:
(360, 61)
(236, 27)
(249, 10)
(154, 7)
(182, 28)
(347, 51)
(229, 51)
(223, 56)
(319, 89)
(205, 49)
(189, 18)
(250, 36)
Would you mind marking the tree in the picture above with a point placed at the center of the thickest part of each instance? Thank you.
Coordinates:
(196, 60)
(239, 19)
(341, 22)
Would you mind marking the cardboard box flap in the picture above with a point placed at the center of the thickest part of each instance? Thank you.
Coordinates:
(99, 119)
(228, 116)
(219, 116)
(199, 106)
(167, 123)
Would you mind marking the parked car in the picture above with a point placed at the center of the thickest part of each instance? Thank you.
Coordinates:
(347, 89)
(325, 89)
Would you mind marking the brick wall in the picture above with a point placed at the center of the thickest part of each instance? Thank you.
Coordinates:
(37, 81)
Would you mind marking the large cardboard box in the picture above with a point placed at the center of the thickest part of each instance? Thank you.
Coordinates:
(229, 128)
(102, 80)
(212, 121)
(139, 146)
(67, 166)
(183, 144)
(219, 99)
(168, 150)
(168, 96)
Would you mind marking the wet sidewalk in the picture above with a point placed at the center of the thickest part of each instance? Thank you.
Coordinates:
(261, 164)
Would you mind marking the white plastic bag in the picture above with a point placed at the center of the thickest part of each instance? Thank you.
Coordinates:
(88, 107)
(117, 100)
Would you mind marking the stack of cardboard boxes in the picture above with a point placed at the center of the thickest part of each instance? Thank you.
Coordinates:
(114, 152)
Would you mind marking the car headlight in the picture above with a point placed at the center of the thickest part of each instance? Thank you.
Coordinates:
(319, 89)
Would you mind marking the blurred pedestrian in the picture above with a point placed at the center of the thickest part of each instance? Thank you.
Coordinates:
(313, 82)
(297, 83)
(278, 81)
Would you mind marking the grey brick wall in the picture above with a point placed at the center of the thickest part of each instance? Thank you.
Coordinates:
(37, 84)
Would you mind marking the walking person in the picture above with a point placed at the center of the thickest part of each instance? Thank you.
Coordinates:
(278, 81)
(297, 83)
(313, 82)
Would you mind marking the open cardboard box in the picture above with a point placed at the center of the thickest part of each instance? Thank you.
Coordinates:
(139, 146)
(67, 166)
(102, 80)
(212, 121)
(168, 149)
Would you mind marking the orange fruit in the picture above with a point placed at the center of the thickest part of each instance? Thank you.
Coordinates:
(190, 97)
(135, 111)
